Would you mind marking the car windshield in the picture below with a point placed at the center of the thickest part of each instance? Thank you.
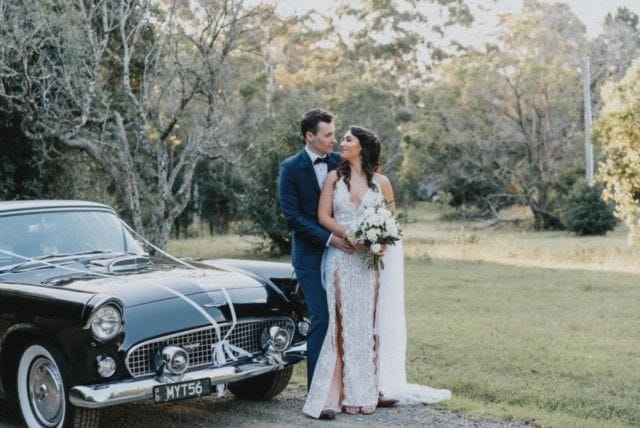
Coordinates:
(42, 234)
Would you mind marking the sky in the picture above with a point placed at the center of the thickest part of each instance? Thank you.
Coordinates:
(590, 12)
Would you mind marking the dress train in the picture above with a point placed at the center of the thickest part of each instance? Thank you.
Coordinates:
(392, 336)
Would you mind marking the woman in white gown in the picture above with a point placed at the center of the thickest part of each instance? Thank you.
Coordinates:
(363, 354)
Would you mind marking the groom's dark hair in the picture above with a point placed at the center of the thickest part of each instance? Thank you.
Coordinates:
(312, 118)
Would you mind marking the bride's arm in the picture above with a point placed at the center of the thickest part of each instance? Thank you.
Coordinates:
(325, 207)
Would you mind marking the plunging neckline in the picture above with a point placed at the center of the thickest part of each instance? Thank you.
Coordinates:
(364, 195)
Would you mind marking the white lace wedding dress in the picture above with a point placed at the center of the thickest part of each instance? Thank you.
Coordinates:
(362, 305)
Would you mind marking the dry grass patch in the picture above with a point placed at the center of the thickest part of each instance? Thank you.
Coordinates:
(218, 246)
(427, 237)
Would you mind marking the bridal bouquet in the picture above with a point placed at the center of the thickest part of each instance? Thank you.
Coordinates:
(379, 227)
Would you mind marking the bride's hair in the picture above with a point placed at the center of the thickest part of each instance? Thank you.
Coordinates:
(370, 156)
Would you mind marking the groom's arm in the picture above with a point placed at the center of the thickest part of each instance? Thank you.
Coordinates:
(303, 226)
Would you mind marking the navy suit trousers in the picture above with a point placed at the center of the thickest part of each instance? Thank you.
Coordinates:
(316, 298)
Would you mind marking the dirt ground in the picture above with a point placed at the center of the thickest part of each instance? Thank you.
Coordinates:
(283, 411)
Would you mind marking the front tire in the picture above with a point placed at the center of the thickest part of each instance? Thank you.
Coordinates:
(42, 385)
(263, 387)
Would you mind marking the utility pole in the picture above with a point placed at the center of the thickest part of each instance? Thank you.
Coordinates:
(588, 147)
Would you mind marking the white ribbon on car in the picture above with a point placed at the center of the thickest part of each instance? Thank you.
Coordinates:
(222, 349)
(49, 264)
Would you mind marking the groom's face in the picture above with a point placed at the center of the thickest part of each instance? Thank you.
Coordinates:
(322, 142)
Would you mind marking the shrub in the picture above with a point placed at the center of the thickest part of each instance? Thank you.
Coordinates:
(585, 213)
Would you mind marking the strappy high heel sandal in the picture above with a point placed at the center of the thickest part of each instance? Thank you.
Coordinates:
(351, 410)
(367, 410)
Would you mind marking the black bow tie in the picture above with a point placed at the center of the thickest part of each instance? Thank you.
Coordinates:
(320, 160)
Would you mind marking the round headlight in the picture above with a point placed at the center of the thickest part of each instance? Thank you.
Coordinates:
(106, 322)
(280, 340)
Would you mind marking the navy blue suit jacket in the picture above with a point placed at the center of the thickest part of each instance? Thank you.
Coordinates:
(299, 196)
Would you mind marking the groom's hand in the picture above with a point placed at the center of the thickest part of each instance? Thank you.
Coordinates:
(341, 243)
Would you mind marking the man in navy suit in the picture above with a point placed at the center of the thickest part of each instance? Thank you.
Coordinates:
(300, 182)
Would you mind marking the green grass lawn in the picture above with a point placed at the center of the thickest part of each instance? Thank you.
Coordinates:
(519, 325)
(558, 346)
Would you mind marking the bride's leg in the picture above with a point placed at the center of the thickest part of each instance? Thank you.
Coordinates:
(334, 396)
(376, 337)
(339, 374)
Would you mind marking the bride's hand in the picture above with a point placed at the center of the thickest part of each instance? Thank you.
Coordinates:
(341, 243)
(358, 246)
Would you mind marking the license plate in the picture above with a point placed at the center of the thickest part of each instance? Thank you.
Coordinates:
(181, 390)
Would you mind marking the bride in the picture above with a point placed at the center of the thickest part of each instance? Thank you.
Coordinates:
(362, 361)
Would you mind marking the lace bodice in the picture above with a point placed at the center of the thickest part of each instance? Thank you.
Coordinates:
(346, 212)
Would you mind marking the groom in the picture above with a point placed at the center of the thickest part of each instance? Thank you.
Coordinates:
(301, 178)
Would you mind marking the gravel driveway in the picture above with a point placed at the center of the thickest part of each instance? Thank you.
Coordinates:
(283, 411)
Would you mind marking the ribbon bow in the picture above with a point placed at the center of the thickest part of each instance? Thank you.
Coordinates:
(220, 351)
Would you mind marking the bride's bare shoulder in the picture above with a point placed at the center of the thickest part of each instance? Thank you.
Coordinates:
(381, 179)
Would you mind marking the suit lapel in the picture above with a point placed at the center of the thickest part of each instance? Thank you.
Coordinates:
(308, 167)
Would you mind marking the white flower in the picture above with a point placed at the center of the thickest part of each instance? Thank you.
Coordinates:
(385, 213)
(376, 220)
(372, 235)
(375, 248)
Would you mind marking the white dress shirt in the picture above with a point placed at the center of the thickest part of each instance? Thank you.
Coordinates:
(319, 168)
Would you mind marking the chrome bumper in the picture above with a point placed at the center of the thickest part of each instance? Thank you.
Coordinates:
(128, 391)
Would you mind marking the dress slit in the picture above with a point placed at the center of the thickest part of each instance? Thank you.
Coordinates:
(336, 389)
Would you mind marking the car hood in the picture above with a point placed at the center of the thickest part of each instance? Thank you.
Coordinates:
(164, 300)
(144, 288)
(160, 303)
(135, 288)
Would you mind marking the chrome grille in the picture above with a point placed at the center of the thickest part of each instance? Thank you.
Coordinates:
(198, 342)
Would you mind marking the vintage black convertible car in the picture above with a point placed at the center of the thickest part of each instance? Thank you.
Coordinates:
(89, 320)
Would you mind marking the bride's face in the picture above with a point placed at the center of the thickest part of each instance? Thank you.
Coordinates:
(350, 147)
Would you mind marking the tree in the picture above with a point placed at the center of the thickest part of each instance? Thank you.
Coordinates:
(276, 136)
(369, 71)
(504, 124)
(542, 100)
(618, 135)
(218, 199)
(141, 86)
(612, 52)
(397, 40)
